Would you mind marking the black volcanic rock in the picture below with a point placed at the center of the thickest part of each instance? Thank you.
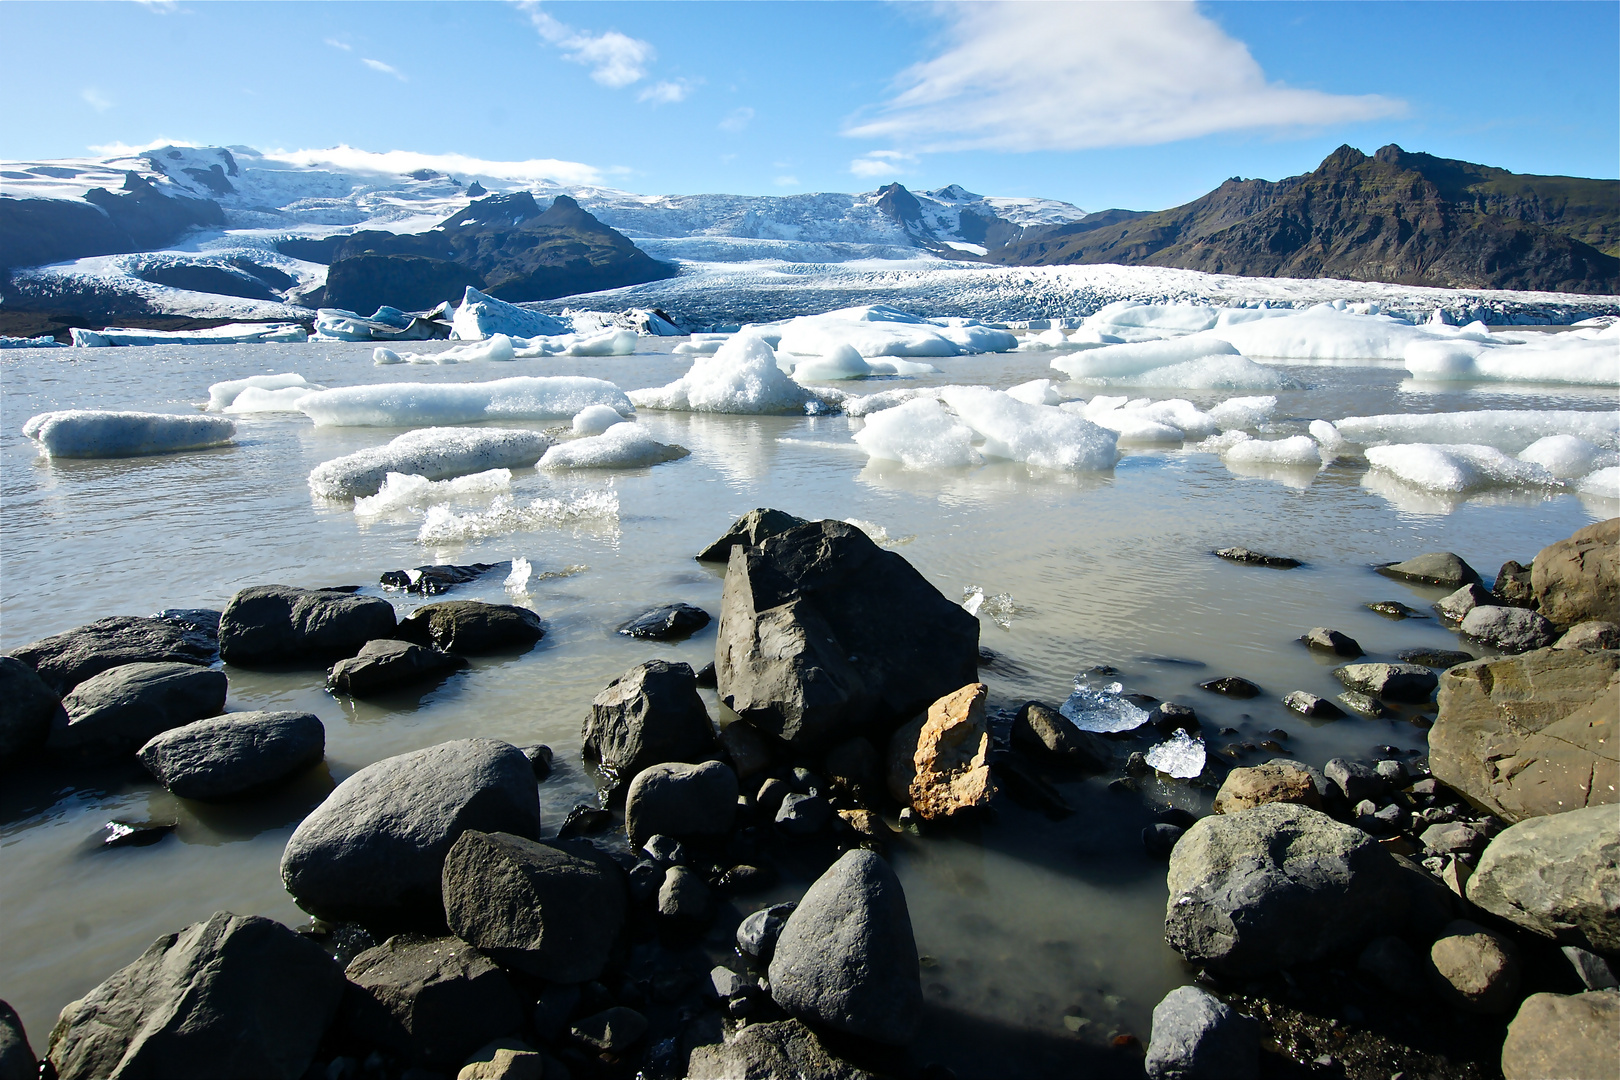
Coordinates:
(1406, 218)
(408, 282)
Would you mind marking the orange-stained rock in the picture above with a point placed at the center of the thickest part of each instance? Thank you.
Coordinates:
(1275, 781)
(951, 757)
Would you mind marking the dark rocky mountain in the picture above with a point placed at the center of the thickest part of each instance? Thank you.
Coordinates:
(1399, 217)
(34, 232)
(973, 224)
(502, 244)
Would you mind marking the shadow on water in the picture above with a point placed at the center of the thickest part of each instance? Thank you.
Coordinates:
(253, 815)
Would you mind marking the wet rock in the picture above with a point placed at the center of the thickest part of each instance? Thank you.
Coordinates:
(1392, 963)
(136, 833)
(1167, 716)
(846, 956)
(430, 1000)
(784, 1049)
(1593, 634)
(1394, 609)
(374, 851)
(1478, 969)
(706, 677)
(683, 895)
(757, 934)
(585, 820)
(1308, 704)
(271, 625)
(551, 910)
(1354, 780)
(1231, 686)
(1365, 704)
(27, 707)
(649, 715)
(386, 665)
(667, 623)
(1391, 772)
(1392, 682)
(1531, 734)
(1554, 1035)
(803, 815)
(113, 714)
(665, 850)
(750, 530)
(1579, 578)
(681, 801)
(1277, 885)
(1434, 658)
(437, 578)
(471, 627)
(1454, 607)
(1254, 558)
(237, 996)
(948, 756)
(1513, 586)
(1593, 971)
(824, 635)
(1159, 839)
(613, 1030)
(65, 660)
(1557, 876)
(1510, 629)
(1044, 732)
(1274, 782)
(1453, 838)
(17, 1061)
(1196, 1036)
(540, 756)
(1436, 568)
(1331, 641)
(234, 754)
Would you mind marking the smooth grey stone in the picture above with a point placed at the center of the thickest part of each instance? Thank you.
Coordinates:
(1434, 658)
(267, 625)
(17, 1061)
(757, 934)
(1454, 607)
(1391, 772)
(802, 815)
(1511, 629)
(1557, 1036)
(1196, 1036)
(750, 530)
(1354, 780)
(65, 660)
(1436, 568)
(1365, 704)
(373, 852)
(236, 996)
(1324, 640)
(1041, 730)
(1393, 682)
(551, 910)
(1592, 634)
(1308, 704)
(650, 715)
(846, 956)
(235, 754)
(779, 1050)
(682, 895)
(27, 707)
(113, 714)
(387, 664)
(1452, 838)
(681, 801)
(727, 983)
(471, 627)
(645, 878)
(1557, 876)
(670, 622)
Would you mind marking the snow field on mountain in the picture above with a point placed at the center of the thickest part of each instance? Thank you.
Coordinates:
(432, 453)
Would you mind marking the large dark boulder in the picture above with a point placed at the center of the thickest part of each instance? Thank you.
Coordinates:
(235, 754)
(1277, 885)
(374, 851)
(750, 530)
(280, 624)
(824, 635)
(471, 626)
(1578, 579)
(1558, 876)
(236, 996)
(114, 713)
(847, 958)
(430, 1000)
(551, 910)
(65, 660)
(27, 706)
(783, 1049)
(386, 665)
(681, 801)
(1197, 1036)
(649, 715)
(17, 1061)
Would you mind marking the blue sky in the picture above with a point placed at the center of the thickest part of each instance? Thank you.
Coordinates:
(1113, 104)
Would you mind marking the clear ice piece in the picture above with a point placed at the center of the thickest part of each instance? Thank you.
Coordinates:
(1103, 710)
(1180, 756)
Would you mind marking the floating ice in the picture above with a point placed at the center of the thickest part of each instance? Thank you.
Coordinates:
(552, 397)
(1510, 430)
(97, 433)
(1587, 357)
(866, 405)
(607, 343)
(841, 361)
(517, 582)
(623, 446)
(879, 330)
(1325, 433)
(1037, 391)
(1220, 444)
(382, 355)
(1044, 341)
(1142, 420)
(504, 516)
(1168, 318)
(1455, 467)
(1325, 333)
(44, 341)
(741, 377)
(1298, 450)
(433, 453)
(1037, 434)
(1243, 412)
(1130, 425)
(1604, 482)
(595, 419)
(254, 400)
(920, 434)
(231, 334)
(1209, 373)
(401, 491)
(222, 394)
(1000, 607)
(1103, 711)
(497, 347)
(701, 345)
(1181, 756)
(1568, 456)
(480, 316)
(880, 536)
(1124, 361)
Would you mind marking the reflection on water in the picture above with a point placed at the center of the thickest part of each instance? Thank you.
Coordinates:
(1044, 937)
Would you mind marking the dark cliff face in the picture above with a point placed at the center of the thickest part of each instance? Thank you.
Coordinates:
(1406, 218)
(36, 232)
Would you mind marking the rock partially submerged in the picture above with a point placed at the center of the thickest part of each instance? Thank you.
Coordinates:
(436, 578)
(471, 627)
(666, 623)
(114, 713)
(27, 707)
(750, 530)
(649, 715)
(65, 660)
(17, 1061)
(1255, 558)
(1441, 568)
(1392, 682)
(1042, 730)
(271, 625)
(235, 754)
(941, 760)
(387, 664)
(1331, 641)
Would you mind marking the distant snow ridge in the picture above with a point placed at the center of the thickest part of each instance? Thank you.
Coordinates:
(551, 397)
(97, 433)
(430, 453)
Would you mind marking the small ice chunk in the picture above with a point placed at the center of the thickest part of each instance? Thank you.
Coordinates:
(1181, 755)
(842, 361)
(741, 377)
(625, 445)
(972, 599)
(1604, 482)
(1297, 450)
(382, 355)
(1102, 710)
(1509, 430)
(1325, 433)
(98, 433)
(919, 434)
(1244, 412)
(865, 405)
(1568, 456)
(1454, 467)
(1038, 391)
(517, 582)
(222, 394)
(554, 397)
(595, 419)
(442, 525)
(1039, 435)
(434, 453)
(401, 491)
(1220, 444)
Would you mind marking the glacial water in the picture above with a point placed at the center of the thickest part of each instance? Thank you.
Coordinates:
(1042, 938)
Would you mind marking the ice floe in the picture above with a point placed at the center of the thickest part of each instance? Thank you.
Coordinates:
(867, 404)
(231, 334)
(1104, 710)
(442, 525)
(1142, 420)
(919, 434)
(1324, 333)
(1566, 457)
(1510, 430)
(741, 377)
(539, 397)
(387, 324)
(480, 316)
(1295, 450)
(843, 361)
(432, 453)
(404, 491)
(1585, 357)
(1137, 358)
(1455, 467)
(623, 446)
(1038, 391)
(595, 419)
(1603, 482)
(1125, 316)
(1039, 435)
(97, 433)
(222, 395)
(880, 330)
(1243, 412)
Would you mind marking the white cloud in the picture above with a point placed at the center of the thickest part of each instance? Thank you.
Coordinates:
(877, 163)
(336, 44)
(737, 119)
(348, 159)
(1072, 76)
(122, 149)
(160, 7)
(386, 69)
(96, 99)
(667, 92)
(787, 181)
(615, 59)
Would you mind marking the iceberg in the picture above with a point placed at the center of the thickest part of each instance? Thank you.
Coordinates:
(442, 525)
(1037, 391)
(1567, 457)
(1510, 430)
(623, 446)
(1455, 467)
(1167, 318)
(540, 397)
(1584, 357)
(1243, 412)
(1137, 358)
(431, 453)
(865, 405)
(1326, 333)
(223, 394)
(741, 377)
(919, 434)
(44, 341)
(1039, 435)
(388, 324)
(595, 419)
(879, 330)
(97, 433)
(480, 316)
(1297, 450)
(231, 334)
(402, 491)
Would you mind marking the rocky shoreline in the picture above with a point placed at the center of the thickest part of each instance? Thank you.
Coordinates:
(1451, 916)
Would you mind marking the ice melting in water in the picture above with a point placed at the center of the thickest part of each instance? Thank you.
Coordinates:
(517, 582)
(442, 525)
(1181, 756)
(1103, 710)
